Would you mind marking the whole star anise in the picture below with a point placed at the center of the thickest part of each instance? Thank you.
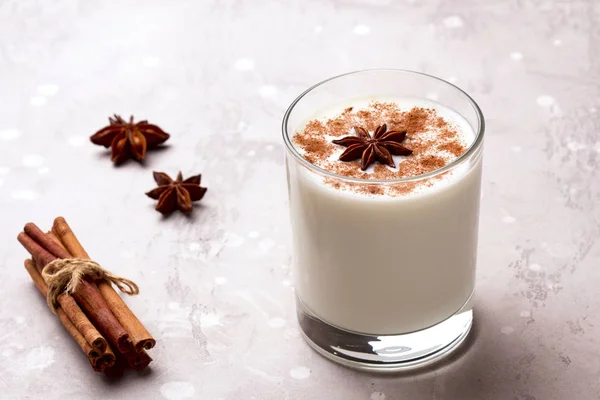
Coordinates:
(380, 147)
(176, 194)
(128, 139)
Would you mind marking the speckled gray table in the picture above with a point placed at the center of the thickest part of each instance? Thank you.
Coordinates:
(216, 288)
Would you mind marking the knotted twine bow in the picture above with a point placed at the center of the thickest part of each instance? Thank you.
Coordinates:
(63, 275)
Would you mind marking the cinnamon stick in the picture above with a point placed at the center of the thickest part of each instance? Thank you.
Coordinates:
(117, 369)
(108, 357)
(66, 302)
(56, 240)
(138, 334)
(61, 229)
(137, 360)
(105, 361)
(40, 256)
(91, 353)
(87, 294)
(132, 359)
(45, 241)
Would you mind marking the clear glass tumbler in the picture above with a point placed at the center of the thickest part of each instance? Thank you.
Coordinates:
(416, 305)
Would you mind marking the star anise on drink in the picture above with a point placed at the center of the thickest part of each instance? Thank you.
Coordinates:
(378, 147)
(176, 194)
(128, 139)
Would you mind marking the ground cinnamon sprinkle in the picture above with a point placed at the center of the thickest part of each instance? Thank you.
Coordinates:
(433, 140)
(374, 189)
(431, 163)
(416, 120)
(457, 149)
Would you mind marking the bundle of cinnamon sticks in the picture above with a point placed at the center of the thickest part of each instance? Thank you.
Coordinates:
(107, 331)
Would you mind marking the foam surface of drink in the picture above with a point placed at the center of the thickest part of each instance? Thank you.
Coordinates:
(440, 139)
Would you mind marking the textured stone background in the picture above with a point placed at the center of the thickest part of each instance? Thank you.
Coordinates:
(216, 289)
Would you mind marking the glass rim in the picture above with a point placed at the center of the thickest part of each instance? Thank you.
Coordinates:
(470, 151)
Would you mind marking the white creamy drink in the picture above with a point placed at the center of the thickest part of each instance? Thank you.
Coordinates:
(385, 258)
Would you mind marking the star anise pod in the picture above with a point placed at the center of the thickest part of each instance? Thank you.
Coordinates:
(380, 147)
(129, 139)
(176, 194)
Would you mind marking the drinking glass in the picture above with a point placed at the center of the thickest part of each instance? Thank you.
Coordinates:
(384, 283)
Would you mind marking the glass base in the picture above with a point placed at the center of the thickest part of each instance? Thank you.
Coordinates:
(385, 352)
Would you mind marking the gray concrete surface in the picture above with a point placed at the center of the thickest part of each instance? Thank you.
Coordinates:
(216, 288)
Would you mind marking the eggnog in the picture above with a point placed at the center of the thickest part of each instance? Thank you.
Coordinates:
(384, 198)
